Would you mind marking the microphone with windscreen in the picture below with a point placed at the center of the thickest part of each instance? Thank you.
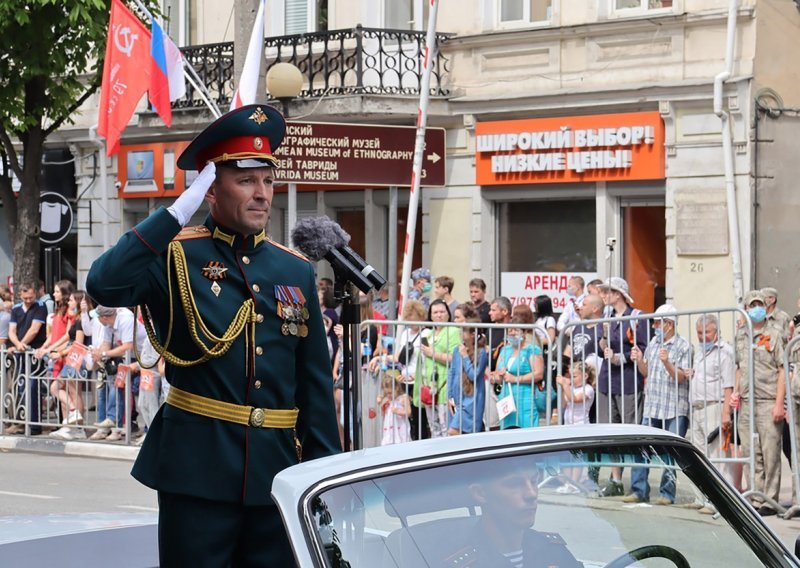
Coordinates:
(321, 237)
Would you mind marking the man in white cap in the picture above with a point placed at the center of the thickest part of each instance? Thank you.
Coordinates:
(620, 392)
(666, 363)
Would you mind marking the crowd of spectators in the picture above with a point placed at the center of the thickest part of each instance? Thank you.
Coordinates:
(76, 358)
(434, 380)
(618, 365)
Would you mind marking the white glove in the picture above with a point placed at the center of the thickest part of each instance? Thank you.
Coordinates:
(190, 200)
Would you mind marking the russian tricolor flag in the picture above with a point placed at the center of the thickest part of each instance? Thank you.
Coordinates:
(167, 81)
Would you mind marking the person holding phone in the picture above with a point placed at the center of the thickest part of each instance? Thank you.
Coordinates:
(465, 390)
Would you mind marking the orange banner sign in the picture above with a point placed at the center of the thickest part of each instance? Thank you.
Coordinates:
(606, 147)
(121, 376)
(75, 356)
(146, 380)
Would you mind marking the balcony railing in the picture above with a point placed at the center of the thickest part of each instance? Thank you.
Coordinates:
(213, 63)
(341, 62)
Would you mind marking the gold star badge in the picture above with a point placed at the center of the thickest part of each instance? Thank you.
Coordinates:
(258, 116)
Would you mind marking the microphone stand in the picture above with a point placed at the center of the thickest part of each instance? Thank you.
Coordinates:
(351, 346)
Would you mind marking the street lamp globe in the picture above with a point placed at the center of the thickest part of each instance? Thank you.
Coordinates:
(284, 82)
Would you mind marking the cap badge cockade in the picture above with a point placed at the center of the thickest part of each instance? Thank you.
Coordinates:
(258, 116)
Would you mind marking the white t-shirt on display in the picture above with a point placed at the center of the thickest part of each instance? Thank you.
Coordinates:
(51, 216)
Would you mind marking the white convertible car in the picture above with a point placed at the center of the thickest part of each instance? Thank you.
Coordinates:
(519, 498)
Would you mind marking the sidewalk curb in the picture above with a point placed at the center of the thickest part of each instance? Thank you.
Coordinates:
(46, 445)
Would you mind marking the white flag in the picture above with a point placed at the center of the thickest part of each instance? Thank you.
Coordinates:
(248, 83)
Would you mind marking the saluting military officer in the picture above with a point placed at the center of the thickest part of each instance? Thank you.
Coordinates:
(768, 396)
(236, 317)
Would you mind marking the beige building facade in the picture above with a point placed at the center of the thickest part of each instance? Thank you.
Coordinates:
(573, 205)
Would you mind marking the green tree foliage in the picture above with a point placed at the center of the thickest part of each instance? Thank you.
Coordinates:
(51, 55)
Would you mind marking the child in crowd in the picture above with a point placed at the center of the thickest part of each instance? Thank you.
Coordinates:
(578, 396)
(578, 393)
(396, 406)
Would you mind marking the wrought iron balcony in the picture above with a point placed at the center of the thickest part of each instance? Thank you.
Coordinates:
(213, 63)
(341, 62)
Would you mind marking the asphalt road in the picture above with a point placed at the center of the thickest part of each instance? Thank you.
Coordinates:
(41, 484)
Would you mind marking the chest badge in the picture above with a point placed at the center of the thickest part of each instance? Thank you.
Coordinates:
(215, 270)
(292, 310)
(216, 288)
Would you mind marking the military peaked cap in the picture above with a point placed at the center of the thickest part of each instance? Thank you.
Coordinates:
(246, 137)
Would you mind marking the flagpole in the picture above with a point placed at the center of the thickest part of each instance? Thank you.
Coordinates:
(201, 90)
(419, 148)
(196, 82)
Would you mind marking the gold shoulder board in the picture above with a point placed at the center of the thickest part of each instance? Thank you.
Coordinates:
(286, 249)
(195, 232)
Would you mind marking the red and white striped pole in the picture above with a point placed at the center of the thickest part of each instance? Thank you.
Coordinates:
(419, 152)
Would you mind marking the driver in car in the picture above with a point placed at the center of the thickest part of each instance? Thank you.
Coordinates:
(504, 537)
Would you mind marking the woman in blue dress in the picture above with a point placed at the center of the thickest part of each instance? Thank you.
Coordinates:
(465, 382)
(520, 365)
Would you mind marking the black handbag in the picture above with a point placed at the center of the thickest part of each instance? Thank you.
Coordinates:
(407, 352)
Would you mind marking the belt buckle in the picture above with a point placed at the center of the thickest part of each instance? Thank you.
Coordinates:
(257, 417)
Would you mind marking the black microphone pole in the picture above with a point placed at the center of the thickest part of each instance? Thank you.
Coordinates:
(351, 322)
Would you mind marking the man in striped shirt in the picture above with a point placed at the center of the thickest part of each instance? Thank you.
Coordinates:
(666, 364)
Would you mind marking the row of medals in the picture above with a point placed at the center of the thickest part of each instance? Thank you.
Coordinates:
(294, 319)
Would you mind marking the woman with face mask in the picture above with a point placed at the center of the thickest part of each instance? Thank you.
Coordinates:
(422, 286)
(520, 367)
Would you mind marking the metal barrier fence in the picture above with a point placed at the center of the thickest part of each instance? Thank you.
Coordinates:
(686, 398)
(791, 373)
(71, 404)
(429, 379)
(693, 390)
(461, 386)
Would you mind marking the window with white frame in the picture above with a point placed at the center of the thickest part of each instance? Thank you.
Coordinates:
(405, 14)
(302, 16)
(523, 12)
(642, 5)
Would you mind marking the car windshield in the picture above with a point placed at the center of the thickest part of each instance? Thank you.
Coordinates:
(537, 509)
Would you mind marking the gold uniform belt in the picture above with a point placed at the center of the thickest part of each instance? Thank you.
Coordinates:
(237, 413)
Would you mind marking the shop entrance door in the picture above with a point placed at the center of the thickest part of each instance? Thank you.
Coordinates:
(644, 254)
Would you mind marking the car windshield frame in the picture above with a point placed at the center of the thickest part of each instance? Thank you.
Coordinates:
(739, 516)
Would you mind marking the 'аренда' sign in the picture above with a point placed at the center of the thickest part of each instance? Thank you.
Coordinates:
(585, 148)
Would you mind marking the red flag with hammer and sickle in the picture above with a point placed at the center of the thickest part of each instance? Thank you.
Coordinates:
(126, 73)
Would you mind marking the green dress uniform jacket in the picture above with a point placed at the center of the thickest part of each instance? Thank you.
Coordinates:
(191, 454)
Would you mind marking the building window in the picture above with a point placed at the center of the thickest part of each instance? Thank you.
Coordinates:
(642, 5)
(405, 14)
(548, 236)
(303, 16)
(513, 13)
